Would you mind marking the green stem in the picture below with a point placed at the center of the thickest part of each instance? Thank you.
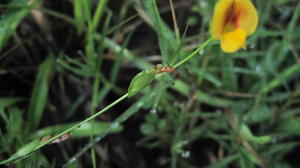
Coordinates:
(98, 14)
(84, 121)
(118, 121)
(201, 47)
(69, 129)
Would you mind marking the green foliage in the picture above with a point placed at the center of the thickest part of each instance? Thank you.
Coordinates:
(140, 81)
(12, 17)
(40, 93)
(167, 42)
(247, 134)
(24, 150)
(215, 110)
(85, 130)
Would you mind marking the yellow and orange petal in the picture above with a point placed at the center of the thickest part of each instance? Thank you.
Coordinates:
(218, 19)
(249, 18)
(232, 22)
(233, 40)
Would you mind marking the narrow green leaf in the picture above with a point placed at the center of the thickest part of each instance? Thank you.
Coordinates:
(82, 69)
(77, 9)
(9, 101)
(40, 93)
(290, 125)
(286, 75)
(98, 13)
(140, 81)
(166, 38)
(12, 17)
(247, 134)
(94, 128)
(247, 159)
(259, 114)
(147, 128)
(127, 54)
(23, 151)
(183, 88)
(225, 161)
(207, 76)
(86, 130)
(294, 19)
(74, 106)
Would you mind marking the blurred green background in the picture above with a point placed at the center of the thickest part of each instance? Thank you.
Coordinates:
(63, 61)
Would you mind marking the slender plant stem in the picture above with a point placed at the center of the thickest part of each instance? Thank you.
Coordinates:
(85, 121)
(201, 47)
(81, 123)
(99, 12)
(174, 21)
(118, 121)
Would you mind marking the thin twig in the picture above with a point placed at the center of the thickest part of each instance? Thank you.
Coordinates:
(174, 21)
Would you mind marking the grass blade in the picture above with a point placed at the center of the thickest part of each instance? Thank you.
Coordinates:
(40, 93)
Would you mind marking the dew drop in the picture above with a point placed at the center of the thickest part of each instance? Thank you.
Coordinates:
(203, 4)
(186, 154)
(259, 70)
(201, 52)
(152, 94)
(252, 45)
(274, 140)
(218, 112)
(181, 105)
(140, 104)
(153, 111)
(114, 125)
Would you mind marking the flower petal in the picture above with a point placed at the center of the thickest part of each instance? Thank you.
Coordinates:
(234, 40)
(248, 18)
(219, 18)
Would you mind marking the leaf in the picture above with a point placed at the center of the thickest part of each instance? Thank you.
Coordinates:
(94, 128)
(151, 118)
(140, 81)
(86, 130)
(247, 134)
(147, 128)
(12, 17)
(166, 38)
(247, 158)
(224, 161)
(283, 77)
(207, 76)
(289, 125)
(259, 114)
(127, 54)
(22, 151)
(184, 89)
(40, 93)
(5, 103)
(162, 124)
(9, 101)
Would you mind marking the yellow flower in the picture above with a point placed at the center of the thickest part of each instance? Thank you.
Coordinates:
(232, 22)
